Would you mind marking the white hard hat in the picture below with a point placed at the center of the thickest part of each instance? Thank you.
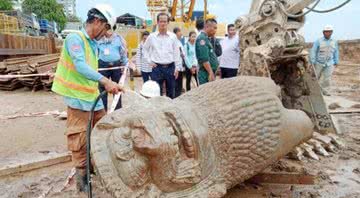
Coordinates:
(328, 28)
(150, 89)
(108, 13)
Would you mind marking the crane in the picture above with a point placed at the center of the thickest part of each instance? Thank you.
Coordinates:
(179, 10)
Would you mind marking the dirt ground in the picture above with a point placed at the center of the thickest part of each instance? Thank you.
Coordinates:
(337, 176)
(23, 137)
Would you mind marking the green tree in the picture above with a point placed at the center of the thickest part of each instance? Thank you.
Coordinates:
(6, 5)
(46, 9)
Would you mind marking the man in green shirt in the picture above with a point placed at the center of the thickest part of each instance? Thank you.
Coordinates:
(205, 53)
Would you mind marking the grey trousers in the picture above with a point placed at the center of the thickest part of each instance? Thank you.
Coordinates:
(324, 76)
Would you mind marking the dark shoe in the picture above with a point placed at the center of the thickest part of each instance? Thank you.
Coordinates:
(81, 180)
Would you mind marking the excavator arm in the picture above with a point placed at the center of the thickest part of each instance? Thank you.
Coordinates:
(292, 6)
(272, 47)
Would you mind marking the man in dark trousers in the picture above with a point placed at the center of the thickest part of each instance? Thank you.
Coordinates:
(162, 50)
(179, 80)
(112, 54)
(205, 53)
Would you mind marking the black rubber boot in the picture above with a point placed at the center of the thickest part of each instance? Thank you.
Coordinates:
(81, 180)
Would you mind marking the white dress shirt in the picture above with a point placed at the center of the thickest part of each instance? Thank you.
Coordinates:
(230, 57)
(163, 49)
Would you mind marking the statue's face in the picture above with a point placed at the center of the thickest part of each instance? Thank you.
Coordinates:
(159, 148)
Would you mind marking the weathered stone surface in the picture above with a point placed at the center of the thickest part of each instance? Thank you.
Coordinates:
(198, 145)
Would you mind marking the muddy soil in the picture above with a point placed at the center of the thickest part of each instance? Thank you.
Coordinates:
(23, 137)
(337, 176)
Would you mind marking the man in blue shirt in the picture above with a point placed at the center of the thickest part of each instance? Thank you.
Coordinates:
(325, 57)
(112, 53)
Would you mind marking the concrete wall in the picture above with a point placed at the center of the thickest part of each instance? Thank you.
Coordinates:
(349, 50)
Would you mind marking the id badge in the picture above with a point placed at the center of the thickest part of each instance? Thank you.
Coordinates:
(106, 51)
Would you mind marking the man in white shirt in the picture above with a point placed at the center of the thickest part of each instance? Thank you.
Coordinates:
(230, 59)
(162, 51)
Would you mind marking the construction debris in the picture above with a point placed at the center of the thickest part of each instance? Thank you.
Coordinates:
(32, 72)
(56, 113)
(69, 180)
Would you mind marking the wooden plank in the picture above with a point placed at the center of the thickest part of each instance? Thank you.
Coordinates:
(2, 38)
(24, 45)
(265, 191)
(35, 164)
(283, 178)
(349, 65)
(344, 111)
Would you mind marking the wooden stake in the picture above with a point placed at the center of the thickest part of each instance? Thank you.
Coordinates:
(51, 159)
(283, 178)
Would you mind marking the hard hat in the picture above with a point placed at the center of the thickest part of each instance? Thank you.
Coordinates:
(108, 13)
(150, 89)
(328, 28)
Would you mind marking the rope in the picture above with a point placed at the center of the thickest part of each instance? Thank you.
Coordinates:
(111, 68)
(331, 9)
(50, 74)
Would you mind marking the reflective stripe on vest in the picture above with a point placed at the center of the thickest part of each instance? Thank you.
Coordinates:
(68, 82)
(77, 87)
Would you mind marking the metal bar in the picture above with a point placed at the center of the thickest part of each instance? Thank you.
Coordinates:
(22, 51)
(23, 75)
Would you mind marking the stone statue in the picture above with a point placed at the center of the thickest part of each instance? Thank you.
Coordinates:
(198, 145)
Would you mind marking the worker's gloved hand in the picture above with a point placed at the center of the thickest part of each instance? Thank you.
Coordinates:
(111, 87)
